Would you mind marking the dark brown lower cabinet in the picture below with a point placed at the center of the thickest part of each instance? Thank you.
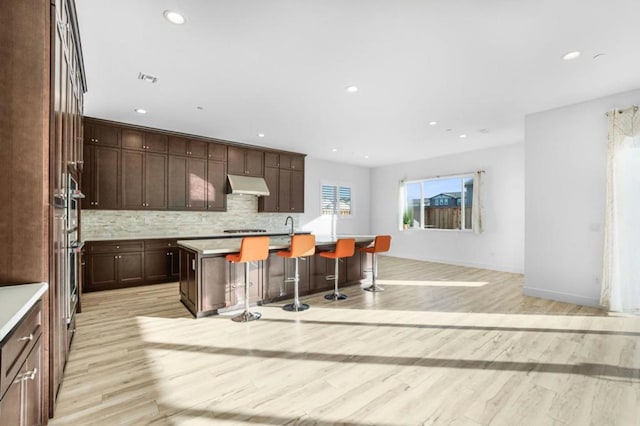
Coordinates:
(22, 403)
(118, 264)
(160, 265)
(21, 379)
(114, 270)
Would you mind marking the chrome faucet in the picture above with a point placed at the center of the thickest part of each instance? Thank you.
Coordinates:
(287, 221)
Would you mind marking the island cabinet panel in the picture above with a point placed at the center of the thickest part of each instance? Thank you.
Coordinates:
(188, 293)
(215, 270)
(279, 270)
(236, 283)
(355, 266)
(323, 267)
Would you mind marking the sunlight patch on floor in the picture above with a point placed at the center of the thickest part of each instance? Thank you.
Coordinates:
(433, 283)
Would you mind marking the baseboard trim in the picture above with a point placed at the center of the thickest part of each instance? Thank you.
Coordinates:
(576, 299)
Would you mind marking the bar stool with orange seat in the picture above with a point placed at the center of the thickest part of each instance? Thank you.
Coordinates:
(380, 244)
(301, 246)
(345, 247)
(252, 249)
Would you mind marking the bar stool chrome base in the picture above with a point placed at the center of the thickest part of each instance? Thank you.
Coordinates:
(373, 288)
(247, 316)
(292, 307)
(335, 296)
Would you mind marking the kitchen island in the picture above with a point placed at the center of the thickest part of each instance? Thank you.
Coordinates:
(210, 285)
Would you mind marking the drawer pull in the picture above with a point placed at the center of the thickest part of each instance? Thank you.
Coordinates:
(30, 375)
(26, 338)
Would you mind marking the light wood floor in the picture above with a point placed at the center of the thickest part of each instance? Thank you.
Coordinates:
(442, 345)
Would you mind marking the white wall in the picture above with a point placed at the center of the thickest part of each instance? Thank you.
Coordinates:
(500, 247)
(318, 171)
(565, 151)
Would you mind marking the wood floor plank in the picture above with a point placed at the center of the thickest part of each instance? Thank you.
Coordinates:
(441, 345)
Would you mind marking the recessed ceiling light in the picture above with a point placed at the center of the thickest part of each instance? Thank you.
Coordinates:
(433, 123)
(174, 17)
(366, 156)
(352, 89)
(571, 55)
(147, 77)
(463, 136)
(141, 111)
(261, 135)
(334, 150)
(598, 55)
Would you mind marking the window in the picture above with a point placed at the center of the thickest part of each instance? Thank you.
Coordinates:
(336, 199)
(439, 203)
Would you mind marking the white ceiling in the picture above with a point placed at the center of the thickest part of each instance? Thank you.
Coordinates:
(281, 68)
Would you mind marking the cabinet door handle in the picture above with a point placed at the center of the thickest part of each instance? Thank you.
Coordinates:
(26, 338)
(193, 264)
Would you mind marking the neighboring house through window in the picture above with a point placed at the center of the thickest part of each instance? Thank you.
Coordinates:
(336, 200)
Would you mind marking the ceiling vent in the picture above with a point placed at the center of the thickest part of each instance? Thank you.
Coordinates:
(146, 77)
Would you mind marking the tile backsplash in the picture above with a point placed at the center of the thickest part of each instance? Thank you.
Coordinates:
(242, 213)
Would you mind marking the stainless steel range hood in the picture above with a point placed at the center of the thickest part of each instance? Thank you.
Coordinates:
(247, 185)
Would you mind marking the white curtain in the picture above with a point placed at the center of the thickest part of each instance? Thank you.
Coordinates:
(621, 265)
(477, 208)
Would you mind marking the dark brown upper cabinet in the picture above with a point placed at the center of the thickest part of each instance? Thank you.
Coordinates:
(188, 147)
(101, 134)
(217, 151)
(284, 174)
(100, 178)
(271, 159)
(187, 184)
(284, 161)
(144, 141)
(144, 180)
(216, 185)
(243, 161)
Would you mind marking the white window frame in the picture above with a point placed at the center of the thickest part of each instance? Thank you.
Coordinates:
(462, 178)
(335, 211)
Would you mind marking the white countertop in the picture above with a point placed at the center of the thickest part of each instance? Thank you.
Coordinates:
(15, 302)
(232, 245)
(156, 236)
